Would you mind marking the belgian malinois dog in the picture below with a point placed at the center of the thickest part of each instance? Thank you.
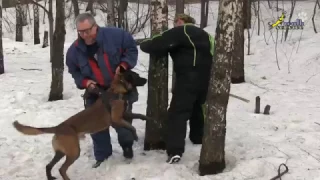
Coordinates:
(98, 117)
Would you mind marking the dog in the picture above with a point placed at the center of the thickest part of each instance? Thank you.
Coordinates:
(108, 110)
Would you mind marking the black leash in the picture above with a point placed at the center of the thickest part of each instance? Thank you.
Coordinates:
(280, 174)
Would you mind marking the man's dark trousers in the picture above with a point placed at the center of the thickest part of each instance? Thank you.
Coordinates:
(101, 140)
(186, 104)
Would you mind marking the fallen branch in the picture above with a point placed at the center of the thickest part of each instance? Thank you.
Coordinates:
(240, 98)
(31, 69)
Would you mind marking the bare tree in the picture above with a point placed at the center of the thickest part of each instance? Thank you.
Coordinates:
(75, 7)
(293, 5)
(122, 8)
(314, 13)
(157, 101)
(57, 64)
(247, 15)
(204, 13)
(237, 75)
(212, 157)
(19, 24)
(24, 14)
(110, 13)
(51, 21)
(36, 24)
(90, 7)
(1, 43)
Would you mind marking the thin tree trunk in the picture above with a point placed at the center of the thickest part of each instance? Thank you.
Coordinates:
(90, 7)
(314, 13)
(45, 39)
(212, 157)
(24, 14)
(110, 13)
(293, 5)
(258, 17)
(1, 43)
(121, 10)
(247, 15)
(75, 7)
(51, 21)
(157, 101)
(36, 24)
(19, 27)
(204, 13)
(44, 13)
(57, 65)
(237, 75)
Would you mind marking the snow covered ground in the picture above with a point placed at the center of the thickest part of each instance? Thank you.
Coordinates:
(255, 145)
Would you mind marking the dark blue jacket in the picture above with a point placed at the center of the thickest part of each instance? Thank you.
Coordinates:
(116, 47)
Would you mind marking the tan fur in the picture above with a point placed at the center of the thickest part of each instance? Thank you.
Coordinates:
(90, 120)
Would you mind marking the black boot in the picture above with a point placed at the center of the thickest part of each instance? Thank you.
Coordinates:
(97, 164)
(127, 152)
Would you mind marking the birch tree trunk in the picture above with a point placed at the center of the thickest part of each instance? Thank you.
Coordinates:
(212, 157)
(237, 75)
(157, 102)
(57, 64)
(1, 45)
(36, 24)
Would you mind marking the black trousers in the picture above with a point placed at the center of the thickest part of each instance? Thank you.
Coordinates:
(186, 104)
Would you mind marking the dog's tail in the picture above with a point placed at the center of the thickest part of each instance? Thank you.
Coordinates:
(28, 130)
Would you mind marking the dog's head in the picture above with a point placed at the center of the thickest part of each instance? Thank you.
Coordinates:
(127, 80)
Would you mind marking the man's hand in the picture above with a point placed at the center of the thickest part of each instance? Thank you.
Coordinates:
(91, 84)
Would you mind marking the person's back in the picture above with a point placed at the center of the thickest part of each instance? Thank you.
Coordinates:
(194, 50)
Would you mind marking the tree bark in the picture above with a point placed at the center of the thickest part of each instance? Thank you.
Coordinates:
(90, 7)
(110, 13)
(57, 64)
(36, 24)
(204, 13)
(157, 102)
(212, 157)
(1, 43)
(237, 75)
(247, 15)
(45, 39)
(75, 7)
(19, 27)
(24, 14)
(121, 10)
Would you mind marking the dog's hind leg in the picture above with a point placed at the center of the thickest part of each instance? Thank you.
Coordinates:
(57, 157)
(72, 151)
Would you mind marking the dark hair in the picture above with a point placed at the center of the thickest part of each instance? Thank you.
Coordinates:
(185, 18)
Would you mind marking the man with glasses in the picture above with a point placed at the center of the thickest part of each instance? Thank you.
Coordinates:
(191, 50)
(93, 60)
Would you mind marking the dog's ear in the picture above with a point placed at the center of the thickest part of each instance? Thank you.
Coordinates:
(140, 81)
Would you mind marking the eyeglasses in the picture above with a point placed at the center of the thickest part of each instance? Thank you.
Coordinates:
(85, 31)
